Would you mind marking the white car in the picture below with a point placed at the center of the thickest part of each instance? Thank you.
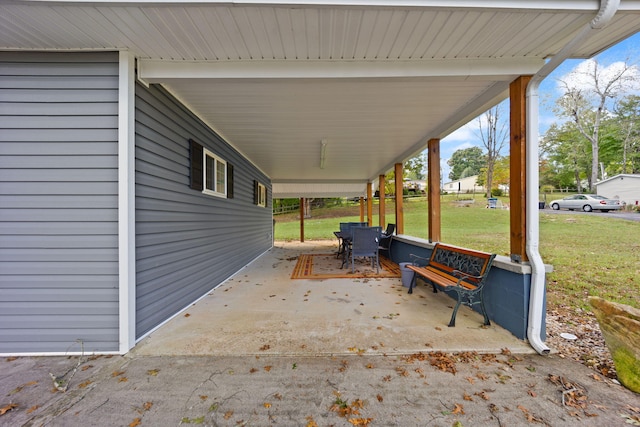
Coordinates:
(587, 203)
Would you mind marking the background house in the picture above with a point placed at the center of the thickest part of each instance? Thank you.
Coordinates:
(464, 185)
(625, 187)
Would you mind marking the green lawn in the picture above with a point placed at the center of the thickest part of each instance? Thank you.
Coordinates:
(590, 255)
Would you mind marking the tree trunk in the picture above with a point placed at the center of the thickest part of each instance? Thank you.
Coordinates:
(576, 172)
(489, 180)
(307, 208)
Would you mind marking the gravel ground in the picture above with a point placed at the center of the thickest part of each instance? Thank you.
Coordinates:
(588, 348)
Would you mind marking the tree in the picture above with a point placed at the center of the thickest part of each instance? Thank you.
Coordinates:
(587, 90)
(628, 117)
(501, 173)
(493, 133)
(568, 154)
(466, 162)
(415, 167)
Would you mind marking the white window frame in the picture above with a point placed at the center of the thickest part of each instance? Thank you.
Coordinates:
(217, 161)
(262, 195)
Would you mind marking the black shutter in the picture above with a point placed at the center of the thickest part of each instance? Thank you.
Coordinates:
(229, 181)
(256, 190)
(196, 154)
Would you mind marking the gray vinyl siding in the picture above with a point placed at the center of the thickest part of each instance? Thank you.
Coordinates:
(187, 242)
(58, 202)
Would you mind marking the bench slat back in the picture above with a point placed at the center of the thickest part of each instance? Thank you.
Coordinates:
(449, 258)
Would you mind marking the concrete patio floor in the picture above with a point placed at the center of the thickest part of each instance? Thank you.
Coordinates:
(262, 311)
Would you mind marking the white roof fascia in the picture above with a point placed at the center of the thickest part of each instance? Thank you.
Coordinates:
(287, 190)
(159, 71)
(620, 175)
(585, 5)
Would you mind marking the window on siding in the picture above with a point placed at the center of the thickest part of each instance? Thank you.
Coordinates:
(260, 194)
(215, 175)
(209, 173)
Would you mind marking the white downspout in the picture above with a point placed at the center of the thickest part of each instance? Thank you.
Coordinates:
(537, 293)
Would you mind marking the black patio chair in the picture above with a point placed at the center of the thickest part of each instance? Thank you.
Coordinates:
(344, 229)
(385, 240)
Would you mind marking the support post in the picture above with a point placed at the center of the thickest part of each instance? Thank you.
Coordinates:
(399, 208)
(370, 204)
(361, 209)
(381, 199)
(517, 169)
(433, 194)
(302, 219)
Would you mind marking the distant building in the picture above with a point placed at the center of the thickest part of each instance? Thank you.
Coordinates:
(464, 185)
(415, 185)
(624, 187)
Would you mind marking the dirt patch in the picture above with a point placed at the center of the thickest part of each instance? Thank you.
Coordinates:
(588, 347)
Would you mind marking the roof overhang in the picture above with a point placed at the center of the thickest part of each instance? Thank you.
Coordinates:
(323, 96)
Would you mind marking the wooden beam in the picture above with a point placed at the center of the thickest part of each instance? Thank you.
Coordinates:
(517, 170)
(399, 207)
(370, 204)
(361, 209)
(381, 206)
(302, 219)
(433, 190)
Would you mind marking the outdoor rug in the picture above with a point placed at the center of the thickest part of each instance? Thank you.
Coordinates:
(327, 266)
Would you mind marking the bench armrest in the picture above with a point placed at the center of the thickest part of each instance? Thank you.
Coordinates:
(464, 275)
(418, 260)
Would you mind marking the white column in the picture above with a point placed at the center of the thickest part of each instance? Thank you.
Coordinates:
(126, 203)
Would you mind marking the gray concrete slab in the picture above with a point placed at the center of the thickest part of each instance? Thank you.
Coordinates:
(262, 311)
(504, 390)
(263, 350)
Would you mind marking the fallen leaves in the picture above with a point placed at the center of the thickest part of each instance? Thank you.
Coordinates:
(20, 387)
(572, 395)
(529, 416)
(7, 408)
(360, 421)
(358, 351)
(634, 417)
(443, 361)
(33, 409)
(482, 394)
(590, 350)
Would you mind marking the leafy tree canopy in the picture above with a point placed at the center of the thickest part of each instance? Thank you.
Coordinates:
(466, 162)
(415, 167)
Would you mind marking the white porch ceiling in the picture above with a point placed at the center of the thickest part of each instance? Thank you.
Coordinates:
(374, 79)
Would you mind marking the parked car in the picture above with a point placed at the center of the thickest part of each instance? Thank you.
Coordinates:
(586, 202)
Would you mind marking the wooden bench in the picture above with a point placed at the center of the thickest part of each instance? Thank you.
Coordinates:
(463, 271)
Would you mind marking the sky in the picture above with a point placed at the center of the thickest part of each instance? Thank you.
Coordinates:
(469, 135)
